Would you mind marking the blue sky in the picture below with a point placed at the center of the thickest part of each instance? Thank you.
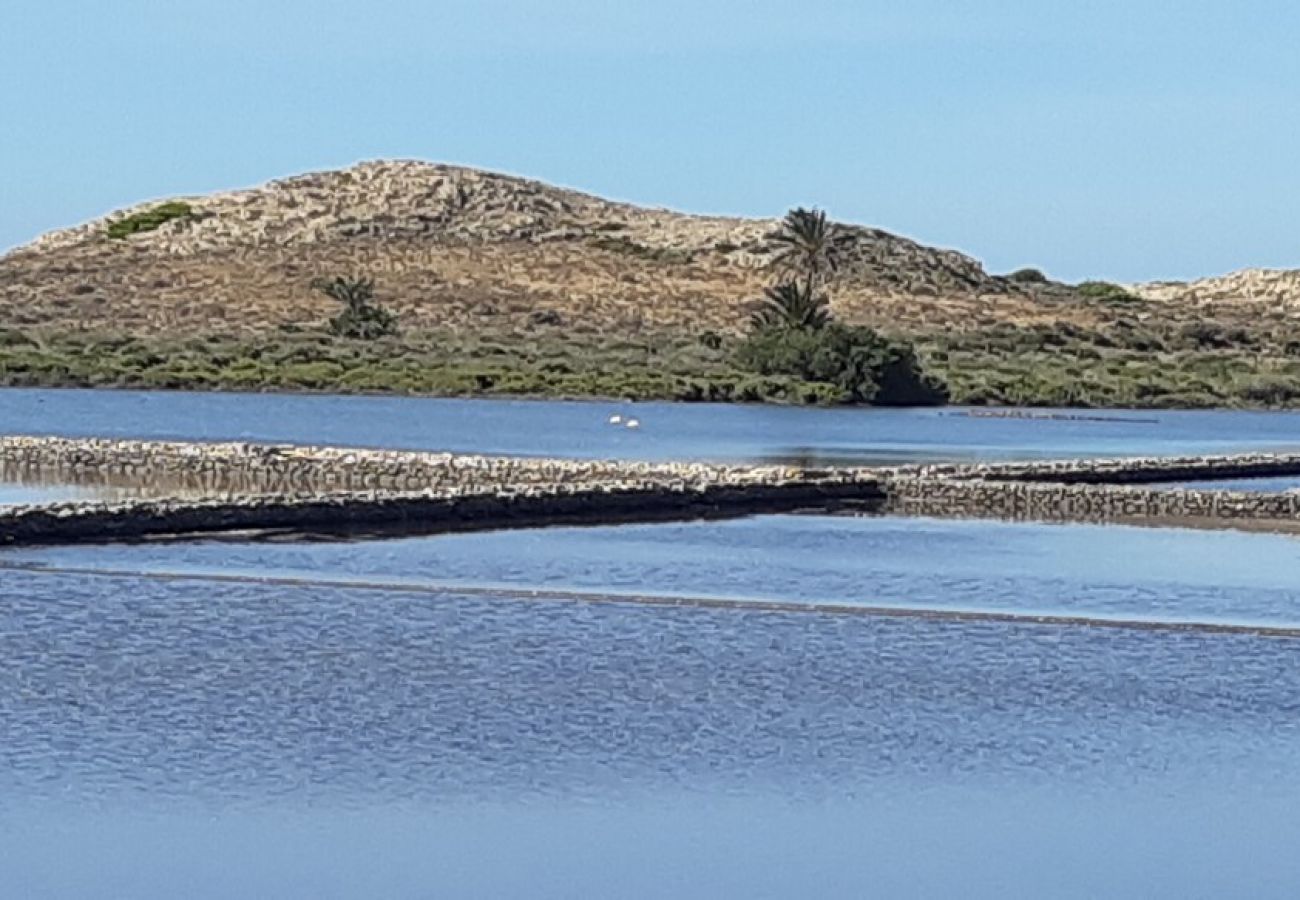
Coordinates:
(1125, 140)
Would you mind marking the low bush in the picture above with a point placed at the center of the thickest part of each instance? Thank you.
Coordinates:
(1027, 276)
(1005, 365)
(1270, 390)
(861, 364)
(149, 219)
(1209, 336)
(1106, 292)
(627, 247)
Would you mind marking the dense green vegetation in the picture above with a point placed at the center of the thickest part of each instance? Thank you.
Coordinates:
(844, 364)
(793, 334)
(149, 219)
(1105, 292)
(1127, 365)
(552, 362)
(1028, 276)
(1193, 366)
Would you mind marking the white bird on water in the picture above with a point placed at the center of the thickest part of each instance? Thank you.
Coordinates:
(615, 419)
(633, 423)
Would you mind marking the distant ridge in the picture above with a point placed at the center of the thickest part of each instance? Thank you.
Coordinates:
(447, 245)
(456, 247)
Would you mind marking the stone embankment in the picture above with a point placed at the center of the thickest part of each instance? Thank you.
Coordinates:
(1055, 502)
(424, 513)
(236, 468)
(259, 486)
(204, 488)
(1098, 490)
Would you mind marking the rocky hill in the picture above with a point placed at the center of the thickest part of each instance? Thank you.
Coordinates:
(509, 286)
(452, 246)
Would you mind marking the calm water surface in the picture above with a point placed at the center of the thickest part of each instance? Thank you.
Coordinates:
(1161, 574)
(404, 723)
(12, 494)
(668, 431)
(1265, 485)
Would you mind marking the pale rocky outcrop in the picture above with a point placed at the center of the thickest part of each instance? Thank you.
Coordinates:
(1266, 287)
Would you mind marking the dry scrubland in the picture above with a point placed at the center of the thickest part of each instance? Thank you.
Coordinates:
(504, 285)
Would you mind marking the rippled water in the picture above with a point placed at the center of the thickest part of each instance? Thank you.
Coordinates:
(407, 722)
(235, 693)
(316, 730)
(668, 430)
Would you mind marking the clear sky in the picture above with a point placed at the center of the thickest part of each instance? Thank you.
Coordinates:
(1124, 139)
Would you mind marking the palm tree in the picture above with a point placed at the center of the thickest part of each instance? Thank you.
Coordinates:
(361, 317)
(807, 248)
(792, 304)
(354, 293)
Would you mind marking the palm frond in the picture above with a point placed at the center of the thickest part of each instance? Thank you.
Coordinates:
(354, 293)
(792, 304)
(807, 244)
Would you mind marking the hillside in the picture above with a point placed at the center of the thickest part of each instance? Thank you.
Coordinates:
(1278, 288)
(510, 286)
(454, 246)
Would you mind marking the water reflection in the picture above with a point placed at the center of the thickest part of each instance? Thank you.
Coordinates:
(22, 483)
(167, 739)
(1150, 573)
(23, 493)
(668, 431)
(1251, 485)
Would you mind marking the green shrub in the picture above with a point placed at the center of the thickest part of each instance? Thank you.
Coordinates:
(627, 247)
(1106, 292)
(864, 366)
(319, 374)
(149, 219)
(710, 340)
(1209, 336)
(1270, 390)
(1027, 276)
(757, 389)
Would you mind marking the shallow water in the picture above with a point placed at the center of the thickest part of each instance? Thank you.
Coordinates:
(1158, 574)
(82, 487)
(13, 494)
(1179, 841)
(436, 733)
(1252, 485)
(668, 431)
(162, 739)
